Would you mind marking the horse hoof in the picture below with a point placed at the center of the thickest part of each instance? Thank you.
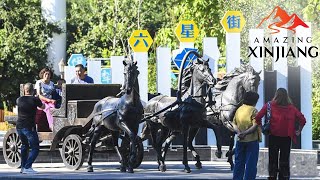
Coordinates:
(231, 167)
(130, 170)
(163, 168)
(187, 170)
(218, 154)
(199, 165)
(228, 154)
(123, 169)
(90, 169)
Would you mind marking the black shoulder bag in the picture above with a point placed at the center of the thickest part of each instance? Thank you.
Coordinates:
(266, 126)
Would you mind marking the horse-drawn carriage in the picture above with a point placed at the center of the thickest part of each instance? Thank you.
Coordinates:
(92, 113)
(70, 125)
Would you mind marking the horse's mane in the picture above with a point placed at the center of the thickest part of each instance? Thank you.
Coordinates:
(186, 79)
(222, 84)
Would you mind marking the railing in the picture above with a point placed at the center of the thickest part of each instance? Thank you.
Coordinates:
(1, 115)
(5, 113)
(316, 144)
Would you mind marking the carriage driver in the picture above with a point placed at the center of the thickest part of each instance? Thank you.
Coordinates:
(81, 77)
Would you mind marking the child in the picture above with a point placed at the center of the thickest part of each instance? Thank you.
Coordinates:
(247, 146)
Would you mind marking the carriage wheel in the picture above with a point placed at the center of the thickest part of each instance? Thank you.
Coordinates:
(72, 152)
(12, 148)
(125, 149)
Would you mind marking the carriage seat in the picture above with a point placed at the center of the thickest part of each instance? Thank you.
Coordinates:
(84, 96)
(78, 100)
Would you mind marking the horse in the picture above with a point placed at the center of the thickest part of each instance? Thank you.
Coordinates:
(119, 115)
(184, 117)
(228, 94)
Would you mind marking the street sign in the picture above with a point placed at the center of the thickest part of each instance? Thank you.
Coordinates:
(77, 59)
(106, 76)
(178, 59)
(140, 41)
(187, 31)
(233, 21)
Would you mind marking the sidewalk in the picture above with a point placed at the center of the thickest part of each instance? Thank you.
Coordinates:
(148, 170)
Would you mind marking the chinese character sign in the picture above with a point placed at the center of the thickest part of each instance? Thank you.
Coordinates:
(233, 21)
(187, 31)
(140, 41)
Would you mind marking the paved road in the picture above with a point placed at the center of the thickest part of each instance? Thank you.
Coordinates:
(211, 170)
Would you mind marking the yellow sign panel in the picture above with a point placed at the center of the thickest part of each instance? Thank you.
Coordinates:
(187, 31)
(233, 21)
(140, 41)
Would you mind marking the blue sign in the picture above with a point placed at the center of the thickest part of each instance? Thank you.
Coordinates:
(178, 59)
(77, 59)
(106, 76)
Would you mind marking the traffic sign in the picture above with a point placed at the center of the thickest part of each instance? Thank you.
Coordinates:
(106, 76)
(233, 21)
(77, 59)
(178, 59)
(187, 31)
(140, 41)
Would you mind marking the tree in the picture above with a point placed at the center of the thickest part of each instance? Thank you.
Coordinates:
(24, 38)
(101, 28)
(312, 14)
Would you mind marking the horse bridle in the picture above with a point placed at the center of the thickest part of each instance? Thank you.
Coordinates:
(202, 84)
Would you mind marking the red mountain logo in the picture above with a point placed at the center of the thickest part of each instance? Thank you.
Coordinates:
(281, 19)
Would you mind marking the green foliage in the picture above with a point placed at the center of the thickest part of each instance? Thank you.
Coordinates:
(101, 28)
(24, 38)
(311, 13)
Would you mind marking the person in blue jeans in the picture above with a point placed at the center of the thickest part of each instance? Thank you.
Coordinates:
(247, 145)
(26, 128)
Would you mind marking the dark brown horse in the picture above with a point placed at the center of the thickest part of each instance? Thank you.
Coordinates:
(185, 116)
(119, 115)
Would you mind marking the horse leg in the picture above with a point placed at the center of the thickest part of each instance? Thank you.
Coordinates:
(156, 145)
(133, 150)
(230, 152)
(96, 136)
(218, 153)
(168, 141)
(185, 133)
(145, 133)
(115, 137)
(192, 134)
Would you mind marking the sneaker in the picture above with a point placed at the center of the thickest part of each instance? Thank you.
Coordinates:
(21, 170)
(29, 171)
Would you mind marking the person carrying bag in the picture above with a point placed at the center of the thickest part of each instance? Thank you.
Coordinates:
(266, 127)
(282, 131)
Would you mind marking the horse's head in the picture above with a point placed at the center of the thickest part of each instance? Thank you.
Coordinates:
(202, 72)
(251, 79)
(130, 75)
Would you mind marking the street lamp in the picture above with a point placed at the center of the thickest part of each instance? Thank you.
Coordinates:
(61, 65)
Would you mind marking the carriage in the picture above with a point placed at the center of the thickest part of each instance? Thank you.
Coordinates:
(70, 125)
(86, 110)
